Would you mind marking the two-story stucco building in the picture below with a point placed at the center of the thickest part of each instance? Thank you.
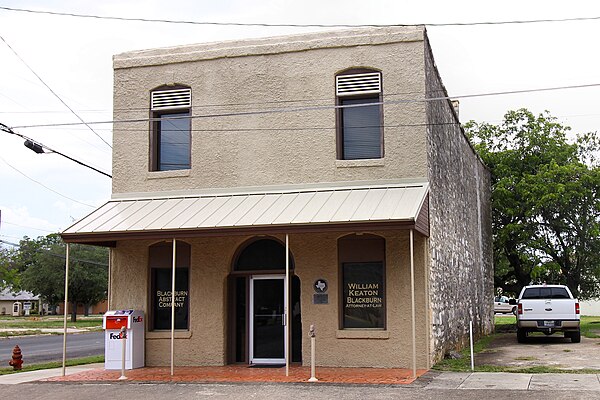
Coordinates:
(342, 146)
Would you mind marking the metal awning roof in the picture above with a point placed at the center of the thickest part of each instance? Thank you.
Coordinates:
(315, 207)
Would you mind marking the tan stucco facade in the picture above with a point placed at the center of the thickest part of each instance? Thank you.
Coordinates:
(315, 257)
(297, 72)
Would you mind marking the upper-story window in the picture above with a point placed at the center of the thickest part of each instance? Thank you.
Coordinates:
(360, 121)
(171, 137)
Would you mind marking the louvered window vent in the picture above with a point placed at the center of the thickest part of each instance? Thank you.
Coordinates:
(350, 85)
(171, 99)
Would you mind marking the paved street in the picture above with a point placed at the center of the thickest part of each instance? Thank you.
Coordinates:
(46, 348)
(61, 391)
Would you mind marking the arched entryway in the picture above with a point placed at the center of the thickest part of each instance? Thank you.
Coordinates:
(256, 305)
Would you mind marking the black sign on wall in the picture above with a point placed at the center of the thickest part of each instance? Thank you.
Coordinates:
(364, 295)
(161, 298)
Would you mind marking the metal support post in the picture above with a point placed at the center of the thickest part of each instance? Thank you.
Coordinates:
(412, 306)
(286, 307)
(313, 342)
(173, 308)
(471, 342)
(123, 347)
(64, 355)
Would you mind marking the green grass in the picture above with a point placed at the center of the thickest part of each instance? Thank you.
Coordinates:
(57, 364)
(590, 327)
(526, 358)
(464, 363)
(48, 322)
(505, 323)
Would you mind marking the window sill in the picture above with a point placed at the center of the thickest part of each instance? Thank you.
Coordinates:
(168, 174)
(362, 334)
(371, 162)
(167, 334)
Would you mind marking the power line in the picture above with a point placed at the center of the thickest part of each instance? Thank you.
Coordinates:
(44, 186)
(304, 128)
(320, 107)
(204, 106)
(39, 148)
(28, 227)
(53, 92)
(281, 25)
(57, 255)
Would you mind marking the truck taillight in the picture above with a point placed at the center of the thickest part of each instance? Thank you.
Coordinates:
(576, 308)
(520, 309)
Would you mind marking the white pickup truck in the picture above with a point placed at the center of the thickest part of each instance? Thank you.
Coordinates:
(547, 309)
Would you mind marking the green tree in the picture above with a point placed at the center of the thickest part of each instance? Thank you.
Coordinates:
(545, 208)
(43, 264)
(9, 275)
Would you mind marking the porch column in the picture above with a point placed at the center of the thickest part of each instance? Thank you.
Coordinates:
(173, 308)
(108, 295)
(287, 305)
(64, 355)
(412, 305)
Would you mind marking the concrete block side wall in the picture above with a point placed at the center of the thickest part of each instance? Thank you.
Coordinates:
(461, 270)
(315, 257)
(280, 147)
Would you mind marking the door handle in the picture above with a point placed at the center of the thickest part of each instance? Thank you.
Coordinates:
(283, 319)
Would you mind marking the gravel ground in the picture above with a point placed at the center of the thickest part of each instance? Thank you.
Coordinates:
(550, 351)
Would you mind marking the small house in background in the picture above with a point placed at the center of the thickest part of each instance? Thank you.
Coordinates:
(98, 308)
(18, 303)
(334, 157)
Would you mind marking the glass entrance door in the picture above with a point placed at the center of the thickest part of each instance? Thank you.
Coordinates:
(267, 319)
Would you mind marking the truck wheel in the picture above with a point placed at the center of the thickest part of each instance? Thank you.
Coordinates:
(576, 337)
(521, 335)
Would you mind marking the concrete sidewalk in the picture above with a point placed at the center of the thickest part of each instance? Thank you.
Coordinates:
(45, 330)
(32, 376)
(432, 380)
(510, 381)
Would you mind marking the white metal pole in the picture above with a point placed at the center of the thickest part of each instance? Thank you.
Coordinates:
(412, 305)
(64, 359)
(123, 354)
(108, 295)
(173, 308)
(287, 305)
(313, 354)
(471, 341)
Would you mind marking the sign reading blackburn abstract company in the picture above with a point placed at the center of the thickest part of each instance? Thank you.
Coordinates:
(162, 298)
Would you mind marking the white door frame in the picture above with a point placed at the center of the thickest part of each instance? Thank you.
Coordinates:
(251, 318)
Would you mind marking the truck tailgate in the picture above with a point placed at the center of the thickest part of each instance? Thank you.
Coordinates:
(555, 309)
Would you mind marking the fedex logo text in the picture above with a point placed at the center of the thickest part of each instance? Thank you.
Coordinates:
(116, 336)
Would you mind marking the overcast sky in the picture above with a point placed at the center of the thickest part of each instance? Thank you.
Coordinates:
(74, 58)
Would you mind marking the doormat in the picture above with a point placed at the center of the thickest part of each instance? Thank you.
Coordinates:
(267, 366)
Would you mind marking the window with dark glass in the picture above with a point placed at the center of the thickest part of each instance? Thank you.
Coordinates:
(360, 117)
(362, 264)
(171, 133)
(161, 263)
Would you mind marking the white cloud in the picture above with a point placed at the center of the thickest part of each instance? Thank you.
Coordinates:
(74, 57)
(17, 222)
